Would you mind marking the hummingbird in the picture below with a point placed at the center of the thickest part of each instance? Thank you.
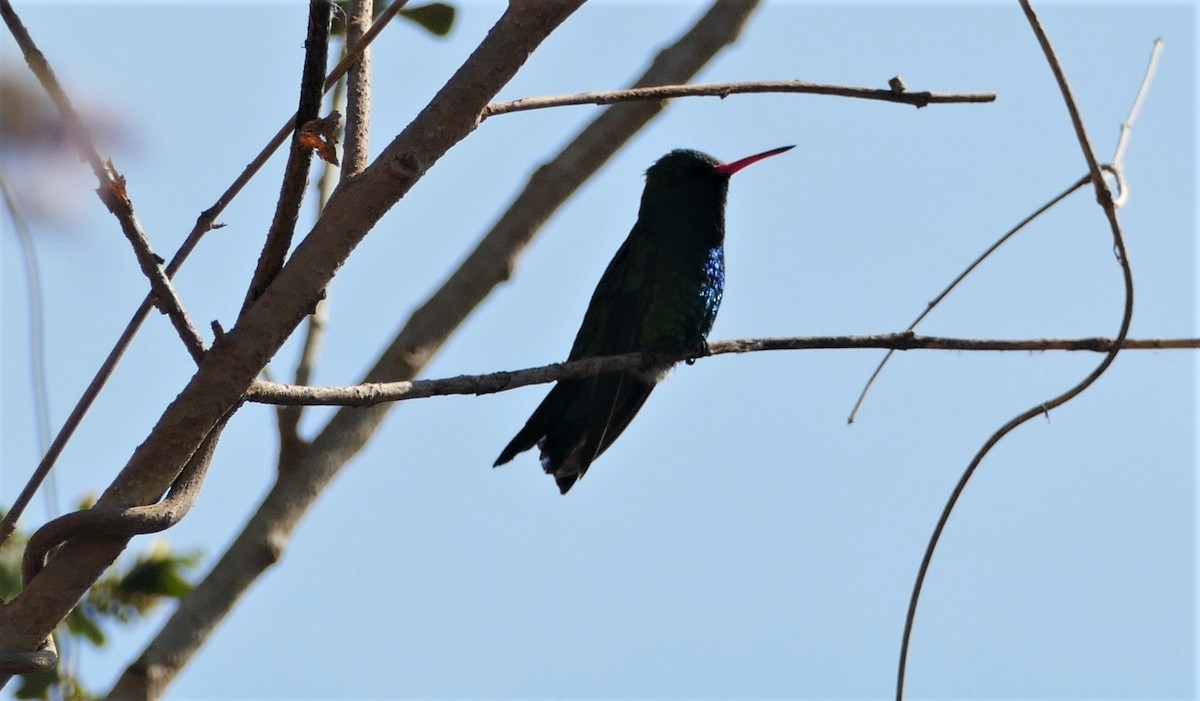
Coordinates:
(659, 294)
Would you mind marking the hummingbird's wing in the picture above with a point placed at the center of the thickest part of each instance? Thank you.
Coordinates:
(579, 419)
(613, 325)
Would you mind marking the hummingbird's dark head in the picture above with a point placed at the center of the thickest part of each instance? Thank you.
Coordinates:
(684, 163)
(691, 180)
(684, 178)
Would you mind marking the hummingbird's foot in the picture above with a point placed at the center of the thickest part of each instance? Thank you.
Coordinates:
(701, 352)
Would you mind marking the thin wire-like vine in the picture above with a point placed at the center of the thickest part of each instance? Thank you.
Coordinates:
(1105, 199)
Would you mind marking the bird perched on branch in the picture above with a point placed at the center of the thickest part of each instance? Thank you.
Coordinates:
(659, 294)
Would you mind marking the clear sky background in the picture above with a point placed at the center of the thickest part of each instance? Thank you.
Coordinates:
(740, 540)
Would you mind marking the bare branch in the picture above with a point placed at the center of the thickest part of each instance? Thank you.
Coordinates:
(112, 190)
(96, 522)
(238, 356)
(112, 193)
(40, 68)
(204, 223)
(295, 174)
(372, 393)
(1104, 198)
(123, 522)
(162, 292)
(263, 538)
(1118, 159)
(355, 92)
(723, 90)
(358, 90)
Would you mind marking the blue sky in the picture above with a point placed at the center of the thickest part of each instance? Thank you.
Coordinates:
(740, 540)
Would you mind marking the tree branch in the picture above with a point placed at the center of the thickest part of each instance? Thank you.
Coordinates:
(358, 90)
(112, 194)
(723, 90)
(124, 522)
(297, 485)
(355, 92)
(372, 393)
(99, 522)
(112, 190)
(238, 356)
(1118, 159)
(204, 223)
(295, 174)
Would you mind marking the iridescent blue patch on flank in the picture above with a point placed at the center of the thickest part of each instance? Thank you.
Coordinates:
(713, 287)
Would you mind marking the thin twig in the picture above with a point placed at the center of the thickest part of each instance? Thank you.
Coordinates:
(40, 67)
(9, 523)
(1105, 200)
(352, 97)
(161, 294)
(862, 396)
(1118, 159)
(112, 190)
(372, 393)
(1116, 167)
(295, 173)
(723, 90)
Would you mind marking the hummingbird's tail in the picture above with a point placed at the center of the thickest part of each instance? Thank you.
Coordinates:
(577, 422)
(540, 422)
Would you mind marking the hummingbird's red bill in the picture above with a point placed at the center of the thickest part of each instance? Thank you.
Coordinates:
(734, 166)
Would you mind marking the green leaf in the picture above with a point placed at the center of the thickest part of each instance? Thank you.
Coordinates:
(80, 623)
(10, 569)
(436, 17)
(36, 685)
(156, 575)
